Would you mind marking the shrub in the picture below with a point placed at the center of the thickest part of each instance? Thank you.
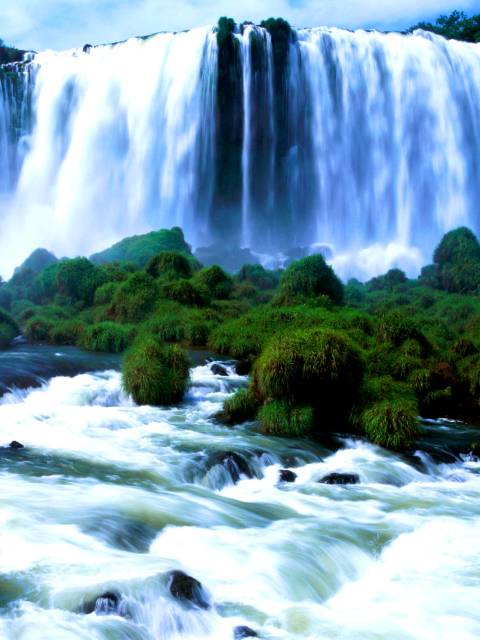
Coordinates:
(135, 298)
(239, 408)
(309, 277)
(153, 373)
(65, 333)
(396, 327)
(283, 418)
(169, 265)
(38, 260)
(105, 293)
(184, 292)
(217, 283)
(106, 336)
(8, 329)
(457, 246)
(387, 411)
(77, 279)
(37, 329)
(258, 276)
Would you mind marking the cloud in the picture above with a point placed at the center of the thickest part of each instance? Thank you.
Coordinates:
(64, 24)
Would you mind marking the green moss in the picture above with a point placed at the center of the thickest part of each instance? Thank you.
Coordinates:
(153, 373)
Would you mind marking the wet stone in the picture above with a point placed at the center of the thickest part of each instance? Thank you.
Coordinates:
(218, 370)
(286, 476)
(105, 604)
(244, 632)
(340, 478)
(16, 445)
(243, 368)
(186, 588)
(234, 462)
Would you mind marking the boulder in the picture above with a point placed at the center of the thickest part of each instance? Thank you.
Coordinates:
(244, 632)
(16, 445)
(234, 462)
(340, 478)
(475, 452)
(243, 368)
(286, 476)
(443, 376)
(186, 588)
(105, 604)
(218, 370)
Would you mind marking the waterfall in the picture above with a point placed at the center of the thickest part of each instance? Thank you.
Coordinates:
(366, 141)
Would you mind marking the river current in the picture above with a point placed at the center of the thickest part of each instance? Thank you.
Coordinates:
(109, 497)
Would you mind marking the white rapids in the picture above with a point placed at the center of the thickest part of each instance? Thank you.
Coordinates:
(108, 496)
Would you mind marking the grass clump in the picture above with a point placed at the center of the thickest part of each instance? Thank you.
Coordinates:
(309, 278)
(215, 281)
(37, 329)
(239, 408)
(106, 336)
(153, 373)
(282, 417)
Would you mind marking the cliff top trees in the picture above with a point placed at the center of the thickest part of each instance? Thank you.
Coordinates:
(456, 26)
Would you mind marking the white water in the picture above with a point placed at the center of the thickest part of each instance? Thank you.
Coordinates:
(382, 136)
(108, 496)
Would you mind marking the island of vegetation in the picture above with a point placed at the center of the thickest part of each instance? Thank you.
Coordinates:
(322, 356)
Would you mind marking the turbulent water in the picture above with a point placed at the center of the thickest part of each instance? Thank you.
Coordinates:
(370, 145)
(110, 497)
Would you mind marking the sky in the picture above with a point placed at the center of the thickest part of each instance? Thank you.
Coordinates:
(66, 24)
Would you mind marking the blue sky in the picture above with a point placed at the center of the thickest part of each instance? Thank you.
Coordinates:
(64, 24)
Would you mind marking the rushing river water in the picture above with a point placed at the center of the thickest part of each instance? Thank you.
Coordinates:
(110, 497)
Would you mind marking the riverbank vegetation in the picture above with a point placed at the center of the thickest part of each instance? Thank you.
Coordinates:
(456, 26)
(363, 357)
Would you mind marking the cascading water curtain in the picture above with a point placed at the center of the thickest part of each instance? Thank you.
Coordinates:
(368, 142)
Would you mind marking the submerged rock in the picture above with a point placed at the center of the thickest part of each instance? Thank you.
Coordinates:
(105, 604)
(16, 445)
(341, 478)
(287, 476)
(235, 463)
(218, 370)
(184, 587)
(244, 632)
(243, 368)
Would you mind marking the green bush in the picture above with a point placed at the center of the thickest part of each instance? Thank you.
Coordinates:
(169, 265)
(37, 329)
(258, 276)
(217, 283)
(77, 279)
(395, 328)
(387, 411)
(8, 329)
(283, 418)
(457, 246)
(105, 293)
(65, 333)
(153, 373)
(38, 260)
(106, 336)
(135, 298)
(239, 408)
(310, 277)
(184, 292)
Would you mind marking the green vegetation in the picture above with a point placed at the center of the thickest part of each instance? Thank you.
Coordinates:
(139, 249)
(9, 54)
(456, 26)
(153, 373)
(368, 358)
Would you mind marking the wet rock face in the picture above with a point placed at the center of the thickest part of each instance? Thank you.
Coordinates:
(234, 462)
(105, 604)
(186, 588)
(287, 476)
(244, 632)
(243, 368)
(16, 445)
(340, 478)
(218, 370)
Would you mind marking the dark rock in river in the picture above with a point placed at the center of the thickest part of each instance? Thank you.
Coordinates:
(218, 370)
(105, 604)
(234, 462)
(243, 368)
(475, 452)
(16, 445)
(244, 632)
(340, 478)
(287, 476)
(184, 587)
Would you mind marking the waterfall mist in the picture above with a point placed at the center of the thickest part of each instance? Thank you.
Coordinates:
(367, 142)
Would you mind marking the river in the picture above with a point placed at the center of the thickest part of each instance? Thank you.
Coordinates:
(110, 497)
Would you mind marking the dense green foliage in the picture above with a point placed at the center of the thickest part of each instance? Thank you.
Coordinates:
(139, 249)
(365, 357)
(38, 260)
(153, 373)
(456, 26)
(9, 54)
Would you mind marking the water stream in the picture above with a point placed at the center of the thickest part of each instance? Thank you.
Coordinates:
(107, 496)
